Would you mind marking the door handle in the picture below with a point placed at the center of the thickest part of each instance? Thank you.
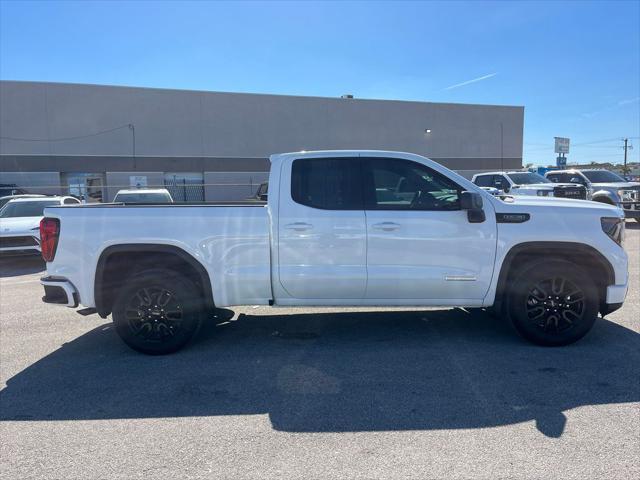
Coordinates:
(299, 226)
(386, 226)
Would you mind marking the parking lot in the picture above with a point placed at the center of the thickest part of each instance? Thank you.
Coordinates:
(316, 393)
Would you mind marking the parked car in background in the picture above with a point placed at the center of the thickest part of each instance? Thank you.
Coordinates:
(340, 228)
(529, 183)
(493, 191)
(5, 200)
(262, 193)
(20, 223)
(143, 195)
(605, 187)
(7, 189)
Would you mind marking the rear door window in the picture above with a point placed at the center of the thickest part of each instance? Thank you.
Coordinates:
(327, 183)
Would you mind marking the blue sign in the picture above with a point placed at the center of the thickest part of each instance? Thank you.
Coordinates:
(561, 161)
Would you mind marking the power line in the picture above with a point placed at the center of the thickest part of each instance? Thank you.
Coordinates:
(128, 125)
(616, 139)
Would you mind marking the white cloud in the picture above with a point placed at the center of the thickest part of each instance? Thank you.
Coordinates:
(479, 79)
(628, 101)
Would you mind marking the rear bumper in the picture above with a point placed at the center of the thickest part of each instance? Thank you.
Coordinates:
(59, 291)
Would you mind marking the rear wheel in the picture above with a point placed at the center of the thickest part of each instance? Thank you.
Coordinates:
(553, 303)
(158, 311)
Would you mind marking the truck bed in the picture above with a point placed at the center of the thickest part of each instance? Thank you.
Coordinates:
(230, 242)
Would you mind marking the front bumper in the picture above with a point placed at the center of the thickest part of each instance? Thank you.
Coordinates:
(616, 293)
(614, 300)
(631, 209)
(59, 291)
(19, 245)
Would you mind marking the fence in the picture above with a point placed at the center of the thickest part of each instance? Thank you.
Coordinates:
(185, 190)
(181, 190)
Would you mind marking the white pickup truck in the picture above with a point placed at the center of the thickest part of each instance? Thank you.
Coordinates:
(359, 228)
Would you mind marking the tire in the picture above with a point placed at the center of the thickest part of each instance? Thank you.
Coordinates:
(494, 312)
(553, 303)
(158, 311)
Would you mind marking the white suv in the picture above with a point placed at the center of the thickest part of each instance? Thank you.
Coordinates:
(20, 223)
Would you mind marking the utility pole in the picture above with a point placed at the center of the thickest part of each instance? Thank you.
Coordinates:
(626, 146)
(132, 127)
(501, 147)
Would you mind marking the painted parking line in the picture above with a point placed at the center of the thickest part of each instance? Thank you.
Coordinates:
(19, 282)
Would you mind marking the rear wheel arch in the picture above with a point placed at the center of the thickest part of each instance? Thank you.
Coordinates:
(118, 262)
(585, 256)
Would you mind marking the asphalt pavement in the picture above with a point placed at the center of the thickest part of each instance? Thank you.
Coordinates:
(316, 393)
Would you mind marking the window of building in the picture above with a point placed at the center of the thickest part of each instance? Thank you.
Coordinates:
(396, 184)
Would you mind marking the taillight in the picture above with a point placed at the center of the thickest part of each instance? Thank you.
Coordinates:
(49, 233)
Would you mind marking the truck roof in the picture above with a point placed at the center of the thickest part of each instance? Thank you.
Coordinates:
(579, 170)
(502, 173)
(42, 198)
(143, 190)
(342, 153)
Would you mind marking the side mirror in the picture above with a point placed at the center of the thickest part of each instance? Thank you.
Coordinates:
(472, 203)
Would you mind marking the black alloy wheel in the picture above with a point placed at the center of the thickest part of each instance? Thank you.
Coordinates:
(158, 311)
(154, 314)
(553, 302)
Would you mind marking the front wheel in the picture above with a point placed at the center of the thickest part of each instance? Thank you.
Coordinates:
(158, 311)
(553, 303)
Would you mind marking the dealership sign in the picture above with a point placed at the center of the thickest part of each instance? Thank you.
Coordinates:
(562, 145)
(138, 181)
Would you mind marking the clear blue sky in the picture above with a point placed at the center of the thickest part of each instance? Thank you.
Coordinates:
(575, 66)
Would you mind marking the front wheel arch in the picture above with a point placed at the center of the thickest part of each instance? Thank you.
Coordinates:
(577, 253)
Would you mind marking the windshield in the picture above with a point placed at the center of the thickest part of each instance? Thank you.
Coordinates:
(526, 178)
(603, 176)
(142, 198)
(26, 209)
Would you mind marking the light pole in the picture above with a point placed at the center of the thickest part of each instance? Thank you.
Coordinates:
(501, 147)
(132, 127)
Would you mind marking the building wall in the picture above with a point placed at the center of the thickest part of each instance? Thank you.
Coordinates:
(174, 123)
(232, 185)
(121, 180)
(47, 183)
(227, 137)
